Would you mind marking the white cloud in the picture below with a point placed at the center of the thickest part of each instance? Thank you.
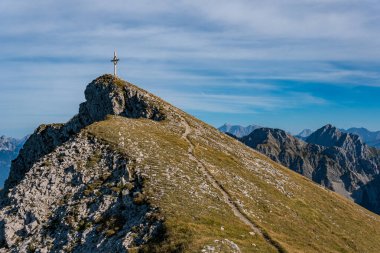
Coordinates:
(239, 103)
(200, 46)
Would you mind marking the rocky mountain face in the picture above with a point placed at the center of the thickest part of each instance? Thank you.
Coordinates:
(336, 160)
(371, 138)
(132, 173)
(9, 148)
(237, 130)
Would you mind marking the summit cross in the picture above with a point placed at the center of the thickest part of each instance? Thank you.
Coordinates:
(115, 60)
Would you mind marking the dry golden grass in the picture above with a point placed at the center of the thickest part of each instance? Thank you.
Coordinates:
(297, 213)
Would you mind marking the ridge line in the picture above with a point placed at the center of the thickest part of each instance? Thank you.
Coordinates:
(226, 196)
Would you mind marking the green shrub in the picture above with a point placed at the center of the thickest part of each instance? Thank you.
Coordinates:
(139, 199)
(110, 232)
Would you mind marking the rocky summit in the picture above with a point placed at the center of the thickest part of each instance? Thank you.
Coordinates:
(132, 173)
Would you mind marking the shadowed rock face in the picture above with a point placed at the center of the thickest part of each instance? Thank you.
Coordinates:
(339, 161)
(280, 147)
(330, 136)
(106, 95)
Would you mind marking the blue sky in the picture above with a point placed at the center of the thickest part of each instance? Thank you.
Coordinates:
(288, 64)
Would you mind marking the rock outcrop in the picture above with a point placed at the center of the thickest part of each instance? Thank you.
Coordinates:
(336, 160)
(80, 171)
(105, 95)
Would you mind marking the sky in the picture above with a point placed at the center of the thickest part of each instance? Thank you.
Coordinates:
(291, 64)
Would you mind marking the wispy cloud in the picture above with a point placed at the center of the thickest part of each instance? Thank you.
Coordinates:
(222, 103)
(243, 48)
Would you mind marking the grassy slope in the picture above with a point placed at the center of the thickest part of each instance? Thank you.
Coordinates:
(294, 211)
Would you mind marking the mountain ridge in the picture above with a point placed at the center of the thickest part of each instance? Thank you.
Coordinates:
(371, 138)
(339, 161)
(134, 173)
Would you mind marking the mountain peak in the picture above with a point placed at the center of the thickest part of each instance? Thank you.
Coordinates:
(107, 181)
(106, 95)
(7, 143)
(327, 135)
(110, 95)
(330, 136)
(134, 182)
(237, 130)
(269, 136)
(304, 134)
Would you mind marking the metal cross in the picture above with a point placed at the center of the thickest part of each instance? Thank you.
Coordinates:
(115, 60)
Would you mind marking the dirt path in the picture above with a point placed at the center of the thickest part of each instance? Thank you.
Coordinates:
(226, 196)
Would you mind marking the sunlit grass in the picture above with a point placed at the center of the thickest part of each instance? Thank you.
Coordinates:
(300, 215)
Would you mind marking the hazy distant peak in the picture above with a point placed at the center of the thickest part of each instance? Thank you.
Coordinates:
(372, 138)
(7, 143)
(238, 130)
(304, 133)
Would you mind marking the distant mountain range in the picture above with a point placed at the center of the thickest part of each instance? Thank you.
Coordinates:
(337, 160)
(9, 149)
(370, 138)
